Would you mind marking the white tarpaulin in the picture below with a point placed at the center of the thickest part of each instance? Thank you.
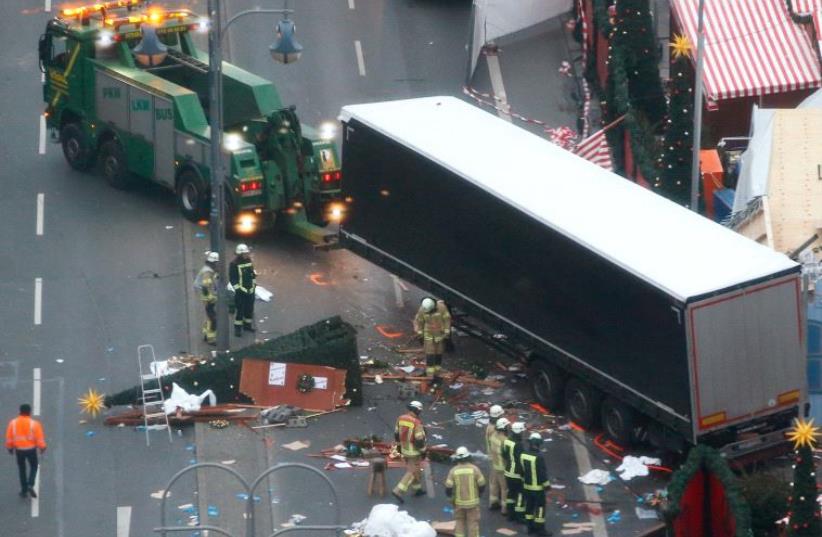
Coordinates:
(756, 160)
(497, 18)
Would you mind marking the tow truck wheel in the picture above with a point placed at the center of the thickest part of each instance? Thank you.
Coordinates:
(618, 421)
(582, 403)
(547, 384)
(113, 165)
(76, 148)
(192, 195)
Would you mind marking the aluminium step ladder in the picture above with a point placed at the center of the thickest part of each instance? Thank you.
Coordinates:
(151, 391)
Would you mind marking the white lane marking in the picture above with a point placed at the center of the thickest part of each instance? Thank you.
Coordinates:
(35, 502)
(360, 58)
(498, 87)
(38, 301)
(591, 494)
(429, 481)
(41, 146)
(48, 5)
(351, 4)
(36, 399)
(42, 76)
(41, 207)
(123, 520)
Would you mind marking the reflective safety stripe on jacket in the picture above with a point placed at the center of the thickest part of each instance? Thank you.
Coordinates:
(509, 449)
(241, 275)
(411, 433)
(533, 472)
(24, 433)
(433, 326)
(465, 479)
(206, 284)
(495, 451)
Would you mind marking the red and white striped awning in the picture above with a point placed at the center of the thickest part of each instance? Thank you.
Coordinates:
(752, 47)
(806, 7)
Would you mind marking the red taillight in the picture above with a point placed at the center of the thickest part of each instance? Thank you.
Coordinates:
(251, 186)
(331, 176)
(337, 175)
(327, 178)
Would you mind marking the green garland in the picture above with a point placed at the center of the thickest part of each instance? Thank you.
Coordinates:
(708, 458)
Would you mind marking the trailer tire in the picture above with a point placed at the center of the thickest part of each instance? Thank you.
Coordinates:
(582, 403)
(113, 165)
(76, 147)
(193, 196)
(618, 421)
(547, 384)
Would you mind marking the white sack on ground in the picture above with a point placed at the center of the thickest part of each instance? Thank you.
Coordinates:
(596, 477)
(386, 520)
(632, 467)
(263, 294)
(180, 398)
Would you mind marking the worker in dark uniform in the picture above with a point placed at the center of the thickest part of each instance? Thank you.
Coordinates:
(534, 484)
(206, 284)
(511, 450)
(242, 277)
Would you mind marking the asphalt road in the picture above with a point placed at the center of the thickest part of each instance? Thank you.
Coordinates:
(106, 271)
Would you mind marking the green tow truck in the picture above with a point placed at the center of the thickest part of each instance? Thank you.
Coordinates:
(141, 123)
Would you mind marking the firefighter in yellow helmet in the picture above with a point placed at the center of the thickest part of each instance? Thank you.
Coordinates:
(433, 324)
(206, 284)
(464, 485)
(410, 435)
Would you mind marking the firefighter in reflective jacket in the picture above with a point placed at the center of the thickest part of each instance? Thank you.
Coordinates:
(464, 485)
(534, 484)
(433, 324)
(498, 491)
(410, 435)
(495, 413)
(206, 284)
(511, 450)
(242, 277)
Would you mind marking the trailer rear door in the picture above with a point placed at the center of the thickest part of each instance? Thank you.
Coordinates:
(746, 353)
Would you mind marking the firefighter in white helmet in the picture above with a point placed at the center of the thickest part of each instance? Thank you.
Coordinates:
(495, 413)
(206, 284)
(433, 324)
(243, 280)
(511, 450)
(409, 433)
(464, 485)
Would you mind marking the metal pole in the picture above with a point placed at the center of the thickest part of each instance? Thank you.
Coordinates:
(700, 56)
(216, 220)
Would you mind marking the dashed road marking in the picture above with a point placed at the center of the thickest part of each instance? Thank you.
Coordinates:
(41, 145)
(123, 520)
(38, 301)
(351, 4)
(360, 57)
(36, 399)
(583, 467)
(41, 208)
(48, 6)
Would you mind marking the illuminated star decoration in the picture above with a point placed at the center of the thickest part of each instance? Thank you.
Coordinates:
(681, 47)
(803, 433)
(92, 402)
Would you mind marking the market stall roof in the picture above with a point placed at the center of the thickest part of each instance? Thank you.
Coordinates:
(661, 242)
(752, 48)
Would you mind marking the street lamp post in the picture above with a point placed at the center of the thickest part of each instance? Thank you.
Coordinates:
(697, 145)
(285, 50)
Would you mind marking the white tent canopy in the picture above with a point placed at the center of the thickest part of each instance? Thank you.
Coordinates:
(497, 18)
(756, 160)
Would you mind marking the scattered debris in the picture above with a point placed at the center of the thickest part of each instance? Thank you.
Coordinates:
(159, 494)
(297, 445)
(218, 424)
(445, 528)
(646, 514)
(632, 467)
(228, 462)
(614, 517)
(575, 528)
(506, 531)
(295, 520)
(596, 477)
(469, 418)
(263, 294)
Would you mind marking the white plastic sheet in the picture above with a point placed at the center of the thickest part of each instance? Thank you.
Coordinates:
(386, 520)
(187, 402)
(596, 477)
(632, 467)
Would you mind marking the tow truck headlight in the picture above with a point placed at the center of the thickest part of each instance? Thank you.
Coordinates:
(246, 223)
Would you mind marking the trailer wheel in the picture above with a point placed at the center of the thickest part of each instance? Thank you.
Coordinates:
(582, 403)
(192, 195)
(618, 420)
(113, 165)
(547, 383)
(76, 148)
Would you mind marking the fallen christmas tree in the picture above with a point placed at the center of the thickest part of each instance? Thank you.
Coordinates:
(331, 342)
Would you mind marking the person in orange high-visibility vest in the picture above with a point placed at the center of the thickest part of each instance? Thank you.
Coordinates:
(410, 435)
(24, 436)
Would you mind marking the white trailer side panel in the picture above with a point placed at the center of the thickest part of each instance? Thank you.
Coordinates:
(747, 356)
